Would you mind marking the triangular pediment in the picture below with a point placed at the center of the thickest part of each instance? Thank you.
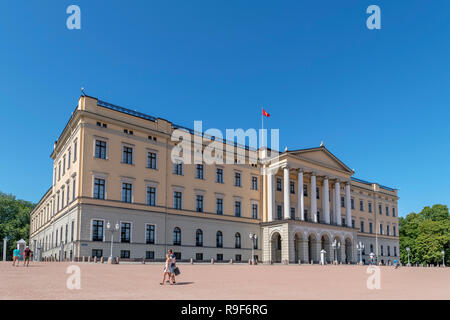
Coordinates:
(321, 156)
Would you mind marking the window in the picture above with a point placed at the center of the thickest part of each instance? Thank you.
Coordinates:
(237, 179)
(254, 211)
(317, 193)
(343, 221)
(199, 203)
(177, 200)
(237, 240)
(97, 253)
(127, 189)
(219, 239)
(178, 168)
(361, 205)
(279, 184)
(255, 244)
(72, 229)
(238, 258)
(62, 198)
(125, 254)
(381, 228)
(151, 196)
(382, 252)
(66, 237)
(237, 208)
(305, 213)
(75, 148)
(292, 187)
(69, 157)
(388, 231)
(59, 170)
(342, 202)
(150, 255)
(254, 183)
(379, 209)
(100, 149)
(353, 223)
(394, 231)
(219, 175)
(199, 238)
(305, 190)
(370, 227)
(151, 160)
(362, 226)
(64, 164)
(177, 236)
(371, 248)
(199, 171)
(99, 188)
(395, 251)
(370, 207)
(389, 251)
(150, 234)
(387, 210)
(279, 212)
(199, 256)
(68, 193)
(219, 206)
(352, 202)
(73, 189)
(393, 211)
(127, 155)
(125, 232)
(292, 213)
(97, 230)
(219, 257)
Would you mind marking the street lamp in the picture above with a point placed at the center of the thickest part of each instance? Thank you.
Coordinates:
(116, 228)
(408, 249)
(336, 245)
(5, 239)
(360, 247)
(253, 237)
(443, 258)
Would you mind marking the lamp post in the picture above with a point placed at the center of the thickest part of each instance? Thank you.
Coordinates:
(5, 239)
(253, 237)
(443, 258)
(335, 245)
(360, 247)
(408, 249)
(116, 228)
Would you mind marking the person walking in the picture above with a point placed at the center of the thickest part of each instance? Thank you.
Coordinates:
(166, 271)
(16, 256)
(26, 256)
(172, 266)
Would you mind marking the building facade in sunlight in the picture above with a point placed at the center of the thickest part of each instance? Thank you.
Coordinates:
(114, 179)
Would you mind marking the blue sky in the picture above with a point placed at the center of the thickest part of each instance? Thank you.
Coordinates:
(379, 99)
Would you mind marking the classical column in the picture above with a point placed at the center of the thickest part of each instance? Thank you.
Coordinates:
(313, 197)
(286, 192)
(270, 196)
(338, 203)
(348, 206)
(326, 200)
(301, 201)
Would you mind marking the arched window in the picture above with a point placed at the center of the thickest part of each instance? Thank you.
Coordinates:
(219, 239)
(237, 240)
(177, 236)
(199, 238)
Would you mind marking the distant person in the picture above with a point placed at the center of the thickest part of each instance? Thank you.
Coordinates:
(172, 266)
(26, 256)
(166, 271)
(396, 264)
(16, 256)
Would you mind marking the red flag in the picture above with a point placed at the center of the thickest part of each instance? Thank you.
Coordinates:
(265, 113)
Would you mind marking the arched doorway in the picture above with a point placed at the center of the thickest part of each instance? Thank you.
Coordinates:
(348, 250)
(326, 245)
(312, 248)
(276, 247)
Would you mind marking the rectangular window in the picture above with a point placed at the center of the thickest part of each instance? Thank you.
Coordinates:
(380, 210)
(199, 203)
(178, 168)
(72, 230)
(219, 257)
(305, 190)
(125, 232)
(100, 149)
(381, 228)
(150, 234)
(370, 227)
(279, 212)
(352, 202)
(150, 255)
(127, 190)
(219, 175)
(238, 258)
(317, 193)
(393, 211)
(199, 171)
(254, 211)
(219, 206)
(387, 210)
(394, 231)
(342, 202)
(292, 187)
(177, 198)
(125, 254)
(73, 189)
(69, 157)
(127, 155)
(199, 256)
(237, 208)
(362, 226)
(59, 170)
(237, 179)
(353, 223)
(75, 149)
(99, 188)
(382, 252)
(151, 196)
(279, 184)
(370, 207)
(64, 165)
(254, 183)
(97, 253)
(151, 160)
(97, 230)
(361, 205)
(388, 231)
(292, 213)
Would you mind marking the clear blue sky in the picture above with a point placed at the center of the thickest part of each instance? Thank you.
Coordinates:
(379, 99)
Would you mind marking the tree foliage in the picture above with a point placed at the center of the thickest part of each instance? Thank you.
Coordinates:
(14, 221)
(426, 233)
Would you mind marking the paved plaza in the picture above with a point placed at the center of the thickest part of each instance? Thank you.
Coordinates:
(47, 280)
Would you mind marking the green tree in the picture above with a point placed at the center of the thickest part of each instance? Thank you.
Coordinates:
(426, 233)
(14, 221)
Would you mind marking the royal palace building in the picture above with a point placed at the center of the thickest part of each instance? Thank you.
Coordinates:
(117, 192)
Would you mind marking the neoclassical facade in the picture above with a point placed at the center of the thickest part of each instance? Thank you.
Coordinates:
(116, 191)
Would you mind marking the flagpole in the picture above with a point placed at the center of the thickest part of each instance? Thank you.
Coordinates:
(262, 129)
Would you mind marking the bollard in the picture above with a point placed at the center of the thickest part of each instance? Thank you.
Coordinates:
(192, 261)
(95, 259)
(312, 262)
(212, 260)
(231, 261)
(101, 260)
(299, 262)
(84, 259)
